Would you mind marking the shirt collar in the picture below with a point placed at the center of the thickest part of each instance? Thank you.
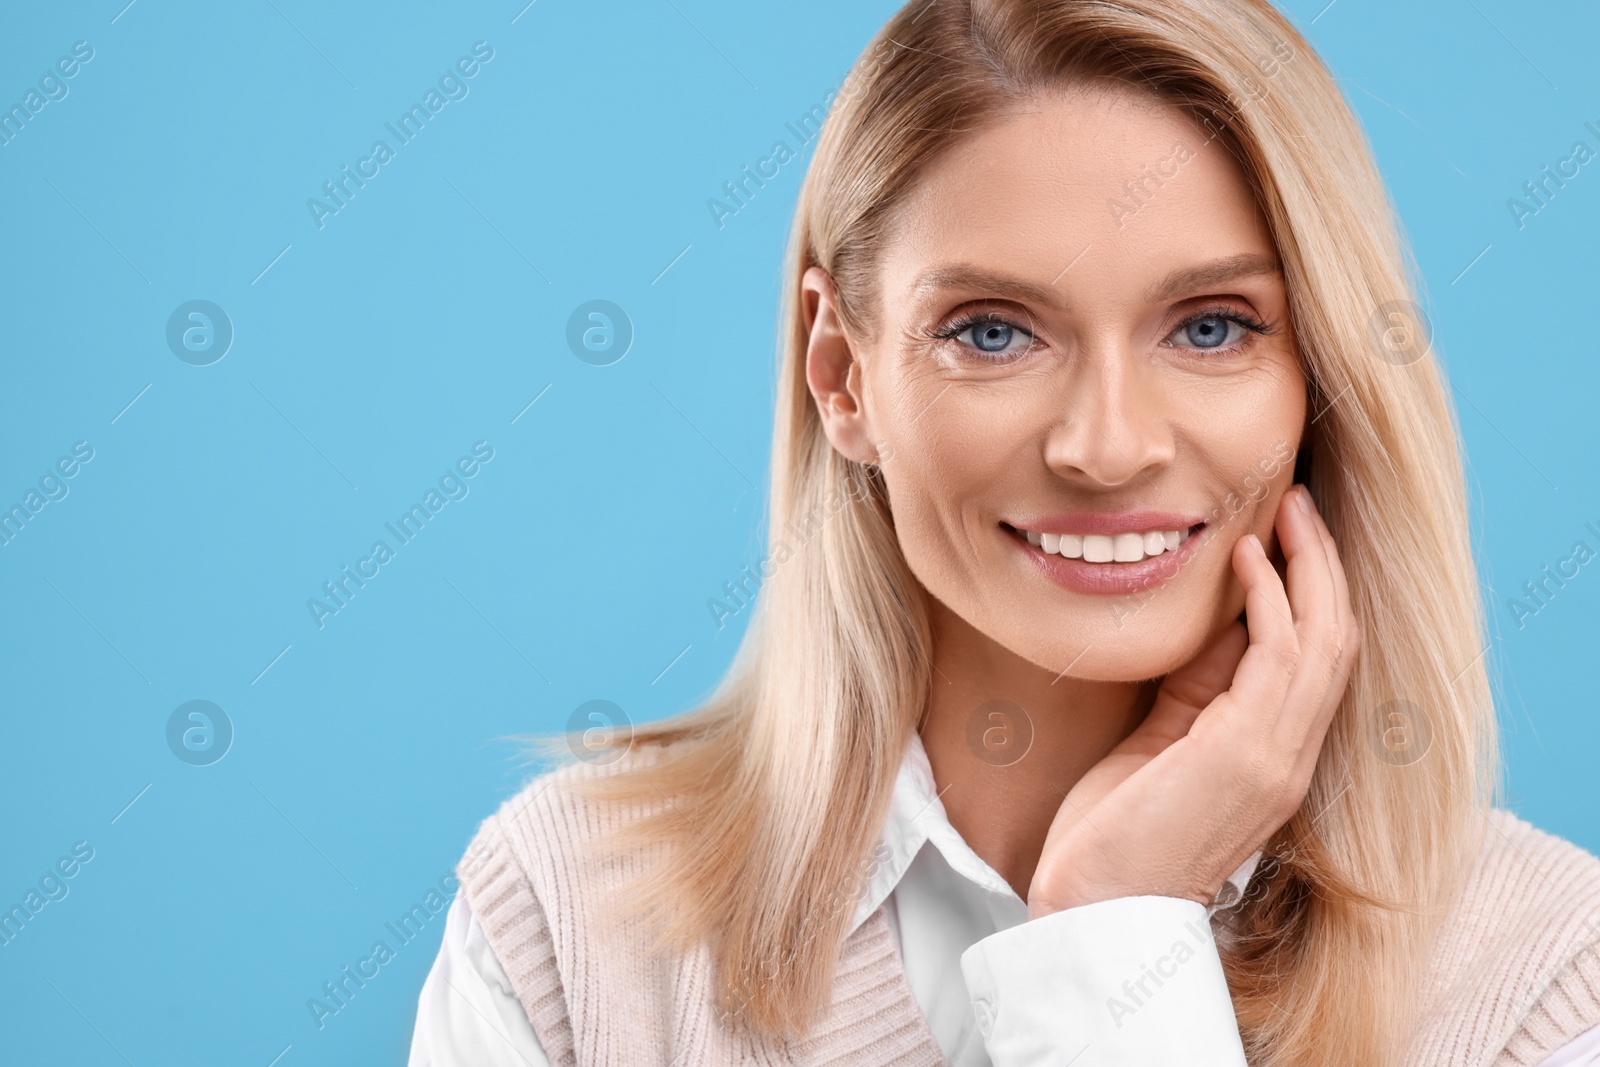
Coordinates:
(917, 816)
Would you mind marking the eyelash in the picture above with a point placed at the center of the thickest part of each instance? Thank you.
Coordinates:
(967, 320)
(1251, 323)
(948, 332)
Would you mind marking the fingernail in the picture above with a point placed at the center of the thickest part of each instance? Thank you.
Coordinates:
(1257, 542)
(1303, 498)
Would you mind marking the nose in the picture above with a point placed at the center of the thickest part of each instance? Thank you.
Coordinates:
(1114, 426)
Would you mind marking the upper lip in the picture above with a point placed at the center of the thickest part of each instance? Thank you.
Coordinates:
(1108, 522)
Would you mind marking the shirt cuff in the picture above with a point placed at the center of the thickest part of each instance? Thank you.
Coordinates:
(1117, 983)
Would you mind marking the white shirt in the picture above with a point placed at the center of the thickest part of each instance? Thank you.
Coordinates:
(1132, 980)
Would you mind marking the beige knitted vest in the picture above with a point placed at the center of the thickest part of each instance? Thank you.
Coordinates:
(1515, 971)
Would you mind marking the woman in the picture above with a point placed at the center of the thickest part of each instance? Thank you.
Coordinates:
(1116, 693)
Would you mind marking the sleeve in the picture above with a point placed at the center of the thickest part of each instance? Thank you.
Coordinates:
(1122, 982)
(468, 1014)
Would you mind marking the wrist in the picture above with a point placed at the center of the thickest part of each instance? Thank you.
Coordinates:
(1046, 895)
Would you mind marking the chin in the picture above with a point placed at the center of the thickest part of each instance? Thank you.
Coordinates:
(1126, 659)
(1113, 642)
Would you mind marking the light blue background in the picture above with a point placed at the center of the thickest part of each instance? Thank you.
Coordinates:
(425, 316)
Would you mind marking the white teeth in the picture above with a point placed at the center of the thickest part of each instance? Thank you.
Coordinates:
(1108, 548)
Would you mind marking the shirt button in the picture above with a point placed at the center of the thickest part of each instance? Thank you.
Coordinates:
(985, 1014)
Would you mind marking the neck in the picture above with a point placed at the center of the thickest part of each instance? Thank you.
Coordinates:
(1007, 739)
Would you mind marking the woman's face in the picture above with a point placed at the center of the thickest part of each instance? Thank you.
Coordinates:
(1080, 319)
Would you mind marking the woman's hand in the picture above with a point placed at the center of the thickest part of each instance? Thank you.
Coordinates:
(1226, 754)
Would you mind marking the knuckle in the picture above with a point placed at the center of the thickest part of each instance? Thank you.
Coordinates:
(1294, 782)
(1281, 802)
(1353, 637)
(1332, 648)
(1300, 782)
(1268, 769)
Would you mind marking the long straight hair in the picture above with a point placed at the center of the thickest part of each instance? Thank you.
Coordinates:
(780, 782)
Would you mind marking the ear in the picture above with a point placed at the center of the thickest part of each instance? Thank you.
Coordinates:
(833, 373)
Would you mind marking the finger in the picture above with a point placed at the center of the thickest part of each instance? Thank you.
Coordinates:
(1341, 585)
(1340, 601)
(1315, 604)
(1262, 680)
(1317, 691)
(1312, 598)
(1347, 620)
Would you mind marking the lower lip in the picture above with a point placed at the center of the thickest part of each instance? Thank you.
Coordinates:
(1109, 579)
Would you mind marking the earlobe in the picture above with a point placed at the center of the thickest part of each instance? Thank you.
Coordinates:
(833, 373)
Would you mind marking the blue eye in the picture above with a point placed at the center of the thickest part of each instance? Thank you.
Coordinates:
(1216, 330)
(1211, 332)
(991, 338)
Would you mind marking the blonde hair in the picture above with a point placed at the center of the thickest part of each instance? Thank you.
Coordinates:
(778, 785)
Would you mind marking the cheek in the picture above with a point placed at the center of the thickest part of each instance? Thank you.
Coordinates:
(1244, 435)
(1241, 412)
(949, 465)
(930, 478)
(965, 452)
(1255, 470)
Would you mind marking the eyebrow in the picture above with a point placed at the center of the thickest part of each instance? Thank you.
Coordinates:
(965, 276)
(1188, 279)
(1209, 275)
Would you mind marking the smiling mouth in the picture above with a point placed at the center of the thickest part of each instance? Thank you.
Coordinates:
(1129, 547)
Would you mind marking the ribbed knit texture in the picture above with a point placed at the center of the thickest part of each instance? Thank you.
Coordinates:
(1516, 965)
(1515, 971)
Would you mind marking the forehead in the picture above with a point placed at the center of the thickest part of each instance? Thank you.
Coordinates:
(1121, 187)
